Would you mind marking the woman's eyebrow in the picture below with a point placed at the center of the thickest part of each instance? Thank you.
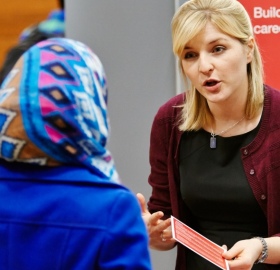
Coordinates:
(211, 42)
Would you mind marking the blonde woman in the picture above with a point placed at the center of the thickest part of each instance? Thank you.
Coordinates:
(215, 149)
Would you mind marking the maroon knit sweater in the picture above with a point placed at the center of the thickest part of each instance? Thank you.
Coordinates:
(261, 162)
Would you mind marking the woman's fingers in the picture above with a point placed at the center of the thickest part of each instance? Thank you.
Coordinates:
(142, 202)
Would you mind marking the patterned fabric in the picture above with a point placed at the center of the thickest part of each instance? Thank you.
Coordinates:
(53, 108)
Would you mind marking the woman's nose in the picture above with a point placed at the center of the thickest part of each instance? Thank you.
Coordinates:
(205, 65)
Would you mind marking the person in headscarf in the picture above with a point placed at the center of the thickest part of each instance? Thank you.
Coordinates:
(62, 205)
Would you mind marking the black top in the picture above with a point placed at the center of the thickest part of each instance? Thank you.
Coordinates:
(214, 187)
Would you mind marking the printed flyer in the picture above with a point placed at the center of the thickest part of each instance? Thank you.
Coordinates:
(198, 243)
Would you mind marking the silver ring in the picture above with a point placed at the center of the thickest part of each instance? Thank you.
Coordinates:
(162, 238)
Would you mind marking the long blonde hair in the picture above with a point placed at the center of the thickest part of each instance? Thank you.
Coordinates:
(230, 17)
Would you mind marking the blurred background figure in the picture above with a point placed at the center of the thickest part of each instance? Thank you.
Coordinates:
(52, 26)
(61, 202)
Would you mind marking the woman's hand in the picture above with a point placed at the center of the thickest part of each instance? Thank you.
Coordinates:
(159, 230)
(243, 254)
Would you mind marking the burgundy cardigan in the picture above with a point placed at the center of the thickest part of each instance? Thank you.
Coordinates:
(261, 162)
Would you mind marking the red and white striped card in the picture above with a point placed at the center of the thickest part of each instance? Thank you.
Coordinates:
(198, 243)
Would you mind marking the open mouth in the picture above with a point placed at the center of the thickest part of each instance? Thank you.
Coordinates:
(210, 83)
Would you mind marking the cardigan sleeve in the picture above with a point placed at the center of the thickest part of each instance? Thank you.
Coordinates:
(160, 155)
(158, 178)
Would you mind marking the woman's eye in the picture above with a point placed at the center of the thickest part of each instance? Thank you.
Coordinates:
(189, 55)
(218, 49)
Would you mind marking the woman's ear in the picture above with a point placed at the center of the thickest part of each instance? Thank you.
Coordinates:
(250, 49)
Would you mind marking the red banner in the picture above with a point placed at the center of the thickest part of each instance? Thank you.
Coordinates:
(265, 16)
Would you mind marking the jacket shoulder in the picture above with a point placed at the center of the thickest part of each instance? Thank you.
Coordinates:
(272, 100)
(172, 107)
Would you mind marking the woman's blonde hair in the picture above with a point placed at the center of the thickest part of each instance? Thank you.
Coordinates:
(230, 17)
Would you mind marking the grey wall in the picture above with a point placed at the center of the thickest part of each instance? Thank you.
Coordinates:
(133, 40)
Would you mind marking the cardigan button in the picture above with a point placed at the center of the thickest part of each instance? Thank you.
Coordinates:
(252, 172)
(245, 152)
(263, 197)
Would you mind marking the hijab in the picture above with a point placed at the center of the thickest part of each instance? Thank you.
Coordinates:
(53, 109)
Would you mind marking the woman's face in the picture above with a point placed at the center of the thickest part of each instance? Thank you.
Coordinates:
(216, 64)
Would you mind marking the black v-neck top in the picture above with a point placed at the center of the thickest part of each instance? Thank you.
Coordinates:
(215, 189)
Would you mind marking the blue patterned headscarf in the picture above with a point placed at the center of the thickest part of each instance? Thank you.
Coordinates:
(53, 109)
